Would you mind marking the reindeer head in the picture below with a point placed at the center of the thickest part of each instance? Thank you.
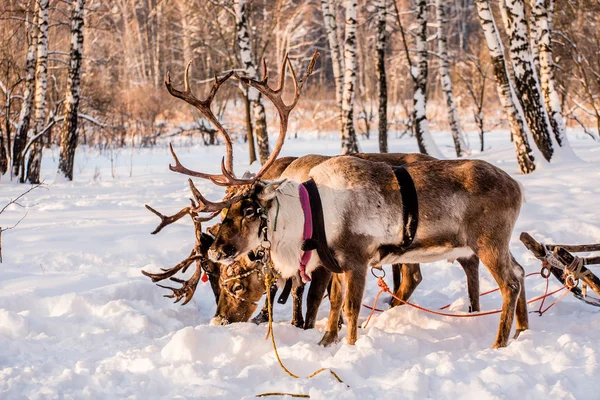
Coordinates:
(241, 229)
(242, 286)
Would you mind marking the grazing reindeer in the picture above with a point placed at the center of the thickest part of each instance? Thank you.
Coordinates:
(242, 277)
(465, 208)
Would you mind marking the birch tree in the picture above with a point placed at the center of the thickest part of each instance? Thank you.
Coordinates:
(25, 113)
(381, 10)
(348, 134)
(505, 89)
(526, 84)
(419, 75)
(249, 66)
(68, 140)
(542, 16)
(34, 163)
(460, 145)
(331, 28)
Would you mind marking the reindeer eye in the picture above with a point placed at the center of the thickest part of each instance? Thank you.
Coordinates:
(238, 288)
(249, 212)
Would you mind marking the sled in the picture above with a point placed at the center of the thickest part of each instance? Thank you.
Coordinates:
(569, 269)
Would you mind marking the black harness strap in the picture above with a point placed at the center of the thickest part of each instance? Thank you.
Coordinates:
(319, 239)
(283, 297)
(410, 205)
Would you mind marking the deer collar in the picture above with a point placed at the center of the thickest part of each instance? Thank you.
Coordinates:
(410, 206)
(314, 230)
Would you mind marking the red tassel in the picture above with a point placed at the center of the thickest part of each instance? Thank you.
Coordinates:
(204, 277)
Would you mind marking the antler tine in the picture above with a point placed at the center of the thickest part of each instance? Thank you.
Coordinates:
(275, 96)
(208, 206)
(168, 220)
(204, 107)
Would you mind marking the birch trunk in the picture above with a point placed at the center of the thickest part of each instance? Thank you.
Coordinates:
(68, 139)
(506, 93)
(331, 29)
(25, 113)
(34, 163)
(542, 15)
(419, 75)
(247, 58)
(348, 134)
(460, 145)
(381, 76)
(526, 84)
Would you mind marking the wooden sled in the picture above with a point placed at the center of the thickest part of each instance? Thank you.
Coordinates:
(570, 270)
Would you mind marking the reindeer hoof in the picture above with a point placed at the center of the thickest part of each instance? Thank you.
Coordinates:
(219, 321)
(260, 319)
(328, 339)
(518, 332)
(298, 323)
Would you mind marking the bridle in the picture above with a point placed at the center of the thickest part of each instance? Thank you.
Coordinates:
(242, 275)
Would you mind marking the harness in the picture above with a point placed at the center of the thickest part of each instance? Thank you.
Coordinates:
(238, 276)
(314, 226)
(314, 230)
(410, 206)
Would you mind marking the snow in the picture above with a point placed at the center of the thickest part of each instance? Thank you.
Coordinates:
(78, 320)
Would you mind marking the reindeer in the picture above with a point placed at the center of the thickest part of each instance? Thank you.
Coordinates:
(465, 208)
(243, 276)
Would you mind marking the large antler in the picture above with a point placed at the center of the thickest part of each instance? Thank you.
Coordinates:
(275, 96)
(204, 107)
(227, 178)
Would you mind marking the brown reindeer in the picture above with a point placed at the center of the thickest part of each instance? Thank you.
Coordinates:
(465, 208)
(243, 290)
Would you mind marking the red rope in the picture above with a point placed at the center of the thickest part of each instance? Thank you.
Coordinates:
(384, 288)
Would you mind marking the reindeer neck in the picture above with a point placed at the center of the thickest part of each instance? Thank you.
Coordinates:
(285, 228)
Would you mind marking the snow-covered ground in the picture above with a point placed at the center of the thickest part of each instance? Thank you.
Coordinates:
(78, 320)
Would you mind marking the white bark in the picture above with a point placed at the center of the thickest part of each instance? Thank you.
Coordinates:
(41, 86)
(419, 75)
(542, 15)
(26, 106)
(526, 84)
(348, 134)
(331, 28)
(247, 59)
(460, 145)
(505, 89)
(380, 6)
(68, 140)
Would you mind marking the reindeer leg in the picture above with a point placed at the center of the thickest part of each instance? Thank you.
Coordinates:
(336, 297)
(321, 277)
(355, 282)
(263, 315)
(499, 263)
(411, 277)
(522, 315)
(471, 267)
(297, 294)
(397, 276)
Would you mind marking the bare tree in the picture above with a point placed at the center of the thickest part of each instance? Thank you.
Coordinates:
(419, 75)
(460, 145)
(505, 89)
(34, 163)
(331, 29)
(27, 103)
(542, 11)
(474, 76)
(249, 66)
(526, 84)
(348, 134)
(381, 10)
(68, 141)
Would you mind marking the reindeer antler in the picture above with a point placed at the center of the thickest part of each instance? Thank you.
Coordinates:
(169, 219)
(204, 107)
(227, 177)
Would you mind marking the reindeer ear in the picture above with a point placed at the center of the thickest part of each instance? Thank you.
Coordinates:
(248, 175)
(267, 190)
(206, 241)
